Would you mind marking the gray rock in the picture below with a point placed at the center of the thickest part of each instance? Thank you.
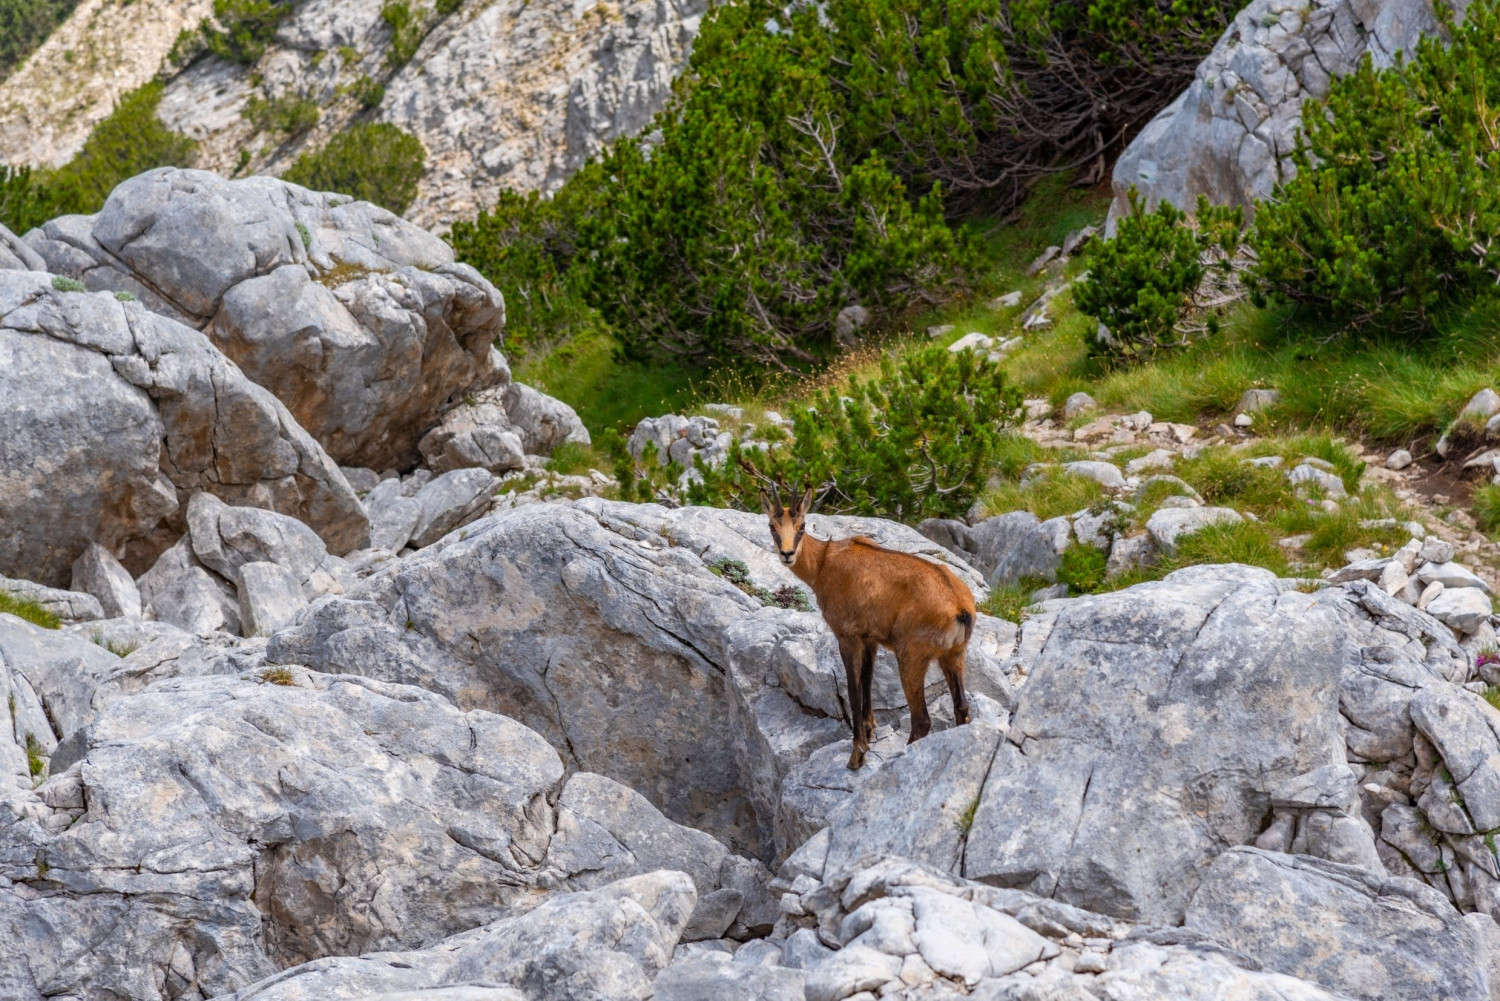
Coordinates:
(849, 322)
(1167, 525)
(364, 328)
(97, 572)
(1449, 573)
(229, 826)
(1255, 400)
(16, 255)
(709, 981)
(1483, 405)
(477, 435)
(1034, 553)
(361, 480)
(1435, 550)
(1230, 134)
(606, 943)
(1077, 404)
(451, 501)
(68, 606)
(393, 516)
(225, 538)
(543, 423)
(606, 831)
(1359, 934)
(499, 428)
(1093, 798)
(1330, 483)
(1399, 459)
(994, 539)
(48, 683)
(919, 806)
(1106, 474)
(181, 591)
(849, 971)
(116, 412)
(270, 598)
(1463, 608)
(972, 342)
(599, 625)
(1181, 486)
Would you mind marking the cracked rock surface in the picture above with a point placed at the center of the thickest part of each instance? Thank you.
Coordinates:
(115, 414)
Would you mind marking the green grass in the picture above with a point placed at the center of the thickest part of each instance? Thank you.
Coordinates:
(1009, 603)
(1047, 495)
(1392, 390)
(1487, 509)
(608, 392)
(1492, 696)
(116, 648)
(1083, 568)
(29, 611)
(35, 763)
(279, 676)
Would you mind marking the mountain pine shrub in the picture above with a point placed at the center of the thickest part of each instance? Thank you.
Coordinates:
(1395, 210)
(239, 31)
(918, 441)
(1141, 282)
(24, 25)
(374, 162)
(817, 156)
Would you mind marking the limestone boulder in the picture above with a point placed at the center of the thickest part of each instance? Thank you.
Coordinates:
(65, 605)
(1357, 933)
(605, 943)
(605, 627)
(97, 572)
(116, 414)
(221, 828)
(359, 322)
(16, 255)
(1152, 729)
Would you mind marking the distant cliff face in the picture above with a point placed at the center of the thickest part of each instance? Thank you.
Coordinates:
(511, 93)
(106, 48)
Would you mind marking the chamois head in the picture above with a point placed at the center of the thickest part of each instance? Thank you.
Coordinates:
(788, 522)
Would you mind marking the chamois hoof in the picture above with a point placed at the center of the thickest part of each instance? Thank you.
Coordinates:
(856, 760)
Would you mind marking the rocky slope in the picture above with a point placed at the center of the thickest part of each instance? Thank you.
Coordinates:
(504, 94)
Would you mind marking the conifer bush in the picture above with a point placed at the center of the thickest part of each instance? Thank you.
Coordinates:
(24, 25)
(918, 441)
(1141, 282)
(374, 162)
(1394, 211)
(818, 156)
(241, 29)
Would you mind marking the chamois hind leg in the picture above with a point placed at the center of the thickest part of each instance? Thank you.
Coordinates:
(952, 663)
(851, 649)
(912, 661)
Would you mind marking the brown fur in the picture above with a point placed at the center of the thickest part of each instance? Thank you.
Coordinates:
(873, 597)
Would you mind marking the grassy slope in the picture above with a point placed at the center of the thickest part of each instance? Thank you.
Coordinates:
(1389, 393)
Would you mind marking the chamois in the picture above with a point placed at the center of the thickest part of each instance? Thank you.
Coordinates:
(873, 597)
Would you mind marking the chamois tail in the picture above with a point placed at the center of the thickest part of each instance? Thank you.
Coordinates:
(966, 620)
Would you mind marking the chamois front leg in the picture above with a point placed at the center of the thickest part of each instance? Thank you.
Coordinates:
(852, 650)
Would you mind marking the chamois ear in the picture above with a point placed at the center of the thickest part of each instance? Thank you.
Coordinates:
(772, 508)
(808, 496)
